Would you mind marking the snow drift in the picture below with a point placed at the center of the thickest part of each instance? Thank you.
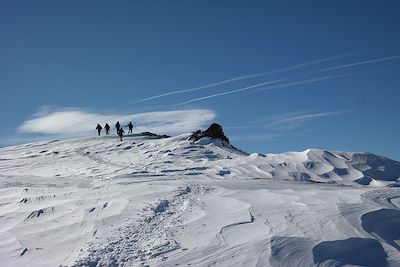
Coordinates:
(165, 201)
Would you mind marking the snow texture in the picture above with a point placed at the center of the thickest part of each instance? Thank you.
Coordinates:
(173, 201)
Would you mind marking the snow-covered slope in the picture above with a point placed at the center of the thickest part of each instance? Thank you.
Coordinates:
(332, 167)
(150, 201)
(178, 158)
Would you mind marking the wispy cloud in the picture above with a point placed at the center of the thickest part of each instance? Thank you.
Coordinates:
(259, 86)
(245, 77)
(229, 92)
(278, 126)
(201, 87)
(285, 121)
(361, 63)
(293, 120)
(77, 122)
(312, 80)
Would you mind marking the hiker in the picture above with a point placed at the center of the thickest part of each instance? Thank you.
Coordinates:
(120, 133)
(130, 126)
(107, 127)
(98, 128)
(118, 126)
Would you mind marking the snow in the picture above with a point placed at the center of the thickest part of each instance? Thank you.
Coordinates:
(166, 202)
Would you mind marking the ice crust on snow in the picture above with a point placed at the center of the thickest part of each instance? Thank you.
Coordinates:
(173, 201)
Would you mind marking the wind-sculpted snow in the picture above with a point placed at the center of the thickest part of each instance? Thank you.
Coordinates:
(335, 167)
(384, 224)
(291, 251)
(152, 235)
(174, 201)
(353, 251)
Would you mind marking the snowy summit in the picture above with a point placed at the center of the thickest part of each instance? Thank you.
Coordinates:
(194, 199)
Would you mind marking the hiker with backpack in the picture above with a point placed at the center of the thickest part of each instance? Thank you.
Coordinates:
(130, 126)
(107, 127)
(117, 126)
(120, 133)
(98, 128)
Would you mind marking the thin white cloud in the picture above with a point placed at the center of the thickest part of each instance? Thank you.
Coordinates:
(77, 122)
(292, 120)
(361, 63)
(312, 80)
(252, 87)
(229, 92)
(280, 125)
(285, 121)
(201, 87)
(245, 77)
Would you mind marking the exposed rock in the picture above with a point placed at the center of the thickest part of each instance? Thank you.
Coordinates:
(215, 131)
(155, 135)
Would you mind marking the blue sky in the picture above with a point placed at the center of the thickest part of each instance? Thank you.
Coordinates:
(286, 75)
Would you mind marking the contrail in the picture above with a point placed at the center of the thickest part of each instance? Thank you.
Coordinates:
(361, 63)
(245, 77)
(312, 80)
(202, 87)
(264, 88)
(306, 117)
(229, 92)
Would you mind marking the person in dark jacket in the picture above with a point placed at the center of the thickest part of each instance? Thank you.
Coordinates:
(130, 126)
(98, 128)
(107, 127)
(117, 126)
(120, 133)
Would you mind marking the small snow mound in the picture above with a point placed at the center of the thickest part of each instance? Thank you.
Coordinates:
(253, 156)
(375, 183)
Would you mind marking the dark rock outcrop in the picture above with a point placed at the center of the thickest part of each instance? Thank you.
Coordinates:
(155, 135)
(215, 131)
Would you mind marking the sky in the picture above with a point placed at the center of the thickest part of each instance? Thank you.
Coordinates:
(277, 75)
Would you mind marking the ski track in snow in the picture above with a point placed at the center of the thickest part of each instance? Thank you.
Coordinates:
(169, 202)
